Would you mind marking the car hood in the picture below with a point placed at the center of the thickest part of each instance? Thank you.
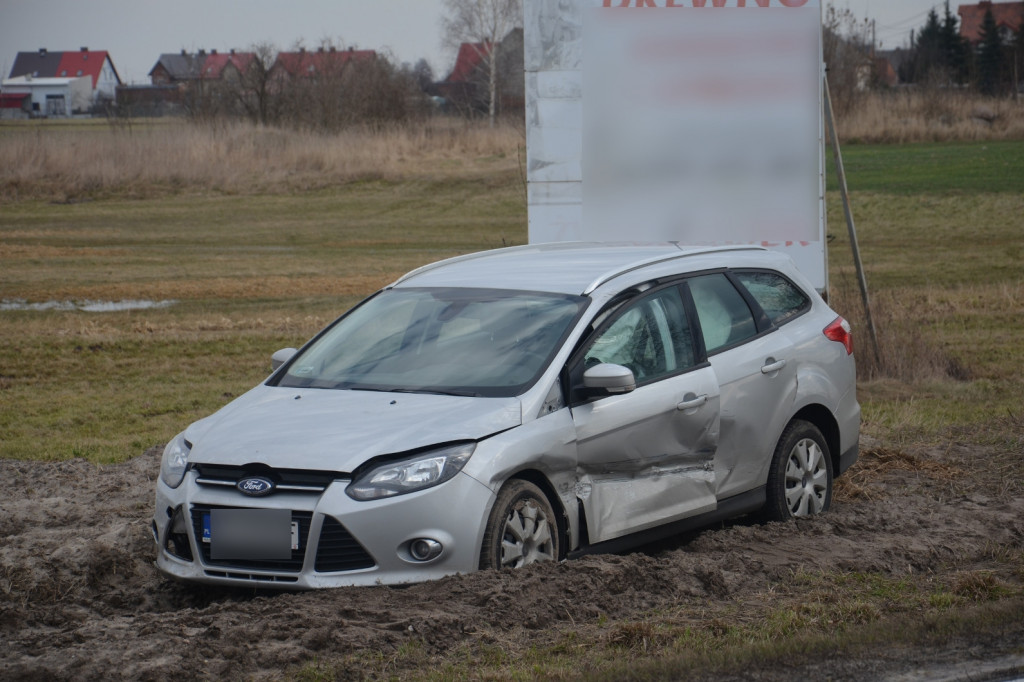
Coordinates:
(337, 430)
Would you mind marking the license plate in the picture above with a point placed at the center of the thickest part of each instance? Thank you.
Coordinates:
(251, 534)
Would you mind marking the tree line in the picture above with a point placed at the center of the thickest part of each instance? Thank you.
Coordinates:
(940, 56)
(327, 88)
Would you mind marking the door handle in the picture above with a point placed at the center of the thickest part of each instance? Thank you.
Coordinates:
(771, 365)
(693, 403)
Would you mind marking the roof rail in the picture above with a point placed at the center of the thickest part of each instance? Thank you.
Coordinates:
(609, 276)
(448, 261)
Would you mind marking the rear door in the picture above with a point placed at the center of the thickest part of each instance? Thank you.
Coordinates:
(756, 371)
(646, 457)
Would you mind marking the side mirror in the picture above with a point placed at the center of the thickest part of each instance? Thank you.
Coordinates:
(280, 357)
(609, 379)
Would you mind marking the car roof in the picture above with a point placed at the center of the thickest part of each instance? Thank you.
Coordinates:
(575, 268)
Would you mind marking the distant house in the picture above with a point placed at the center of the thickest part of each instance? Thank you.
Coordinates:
(888, 65)
(50, 97)
(183, 81)
(95, 66)
(230, 66)
(182, 68)
(317, 63)
(1009, 17)
(467, 86)
(15, 105)
(174, 68)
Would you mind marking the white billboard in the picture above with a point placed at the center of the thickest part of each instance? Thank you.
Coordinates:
(697, 121)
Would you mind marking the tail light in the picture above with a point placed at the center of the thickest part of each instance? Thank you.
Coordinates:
(840, 332)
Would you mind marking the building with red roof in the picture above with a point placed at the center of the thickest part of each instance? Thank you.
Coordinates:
(312, 63)
(467, 89)
(96, 64)
(1009, 17)
(226, 66)
(469, 62)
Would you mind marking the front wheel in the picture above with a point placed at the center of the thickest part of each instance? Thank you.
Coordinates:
(521, 528)
(800, 479)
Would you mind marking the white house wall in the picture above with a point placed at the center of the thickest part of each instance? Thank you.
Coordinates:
(106, 85)
(76, 92)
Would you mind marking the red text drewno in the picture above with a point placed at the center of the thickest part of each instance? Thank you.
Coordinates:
(700, 3)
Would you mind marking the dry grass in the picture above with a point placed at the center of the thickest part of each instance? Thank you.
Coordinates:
(76, 160)
(903, 353)
(930, 115)
(66, 164)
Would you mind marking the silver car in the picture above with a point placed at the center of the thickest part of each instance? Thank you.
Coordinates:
(519, 405)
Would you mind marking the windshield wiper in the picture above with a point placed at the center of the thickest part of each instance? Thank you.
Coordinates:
(424, 390)
(436, 391)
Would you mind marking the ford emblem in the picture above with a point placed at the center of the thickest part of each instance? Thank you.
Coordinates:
(255, 486)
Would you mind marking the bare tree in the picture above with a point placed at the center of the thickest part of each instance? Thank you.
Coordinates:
(483, 24)
(254, 87)
(847, 56)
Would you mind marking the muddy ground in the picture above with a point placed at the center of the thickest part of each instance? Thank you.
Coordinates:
(80, 599)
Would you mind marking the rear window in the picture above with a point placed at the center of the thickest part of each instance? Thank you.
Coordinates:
(780, 299)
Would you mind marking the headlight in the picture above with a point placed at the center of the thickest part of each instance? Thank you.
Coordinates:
(175, 462)
(417, 472)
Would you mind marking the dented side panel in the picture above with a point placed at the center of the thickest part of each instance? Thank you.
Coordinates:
(646, 458)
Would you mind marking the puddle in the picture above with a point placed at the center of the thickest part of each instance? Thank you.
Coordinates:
(85, 306)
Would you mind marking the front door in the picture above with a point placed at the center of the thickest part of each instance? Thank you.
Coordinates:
(646, 457)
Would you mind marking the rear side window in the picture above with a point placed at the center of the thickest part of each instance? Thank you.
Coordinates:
(725, 317)
(780, 299)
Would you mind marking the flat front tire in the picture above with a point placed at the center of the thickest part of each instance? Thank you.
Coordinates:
(800, 479)
(521, 528)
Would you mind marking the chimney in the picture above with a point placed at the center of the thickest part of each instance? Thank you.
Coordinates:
(83, 49)
(232, 52)
(213, 51)
(320, 49)
(42, 52)
(333, 48)
(202, 53)
(302, 50)
(183, 52)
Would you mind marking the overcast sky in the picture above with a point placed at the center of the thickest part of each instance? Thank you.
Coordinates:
(136, 32)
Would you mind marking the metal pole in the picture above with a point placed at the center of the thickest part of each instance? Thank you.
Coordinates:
(841, 172)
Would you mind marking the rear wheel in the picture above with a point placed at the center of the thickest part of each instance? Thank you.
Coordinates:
(800, 479)
(521, 529)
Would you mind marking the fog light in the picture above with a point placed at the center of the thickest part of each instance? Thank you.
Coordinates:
(177, 543)
(424, 549)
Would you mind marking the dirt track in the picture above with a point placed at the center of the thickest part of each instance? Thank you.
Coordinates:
(80, 599)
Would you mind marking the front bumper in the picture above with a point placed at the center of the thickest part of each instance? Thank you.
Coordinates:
(341, 541)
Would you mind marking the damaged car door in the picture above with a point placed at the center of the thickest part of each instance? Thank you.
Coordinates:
(645, 455)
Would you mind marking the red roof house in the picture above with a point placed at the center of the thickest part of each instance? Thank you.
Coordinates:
(468, 62)
(308, 63)
(218, 66)
(1008, 15)
(96, 64)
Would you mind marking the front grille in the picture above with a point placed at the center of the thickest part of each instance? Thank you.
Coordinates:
(292, 565)
(337, 550)
(285, 480)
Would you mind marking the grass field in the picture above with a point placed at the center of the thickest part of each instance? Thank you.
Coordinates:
(250, 274)
(252, 271)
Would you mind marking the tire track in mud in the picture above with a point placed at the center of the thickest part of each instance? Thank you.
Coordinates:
(80, 598)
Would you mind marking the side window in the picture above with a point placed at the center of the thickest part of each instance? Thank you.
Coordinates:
(650, 336)
(780, 299)
(725, 318)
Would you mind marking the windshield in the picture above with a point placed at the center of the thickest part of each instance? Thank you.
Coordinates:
(481, 342)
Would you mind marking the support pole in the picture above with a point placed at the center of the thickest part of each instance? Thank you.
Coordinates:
(851, 228)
